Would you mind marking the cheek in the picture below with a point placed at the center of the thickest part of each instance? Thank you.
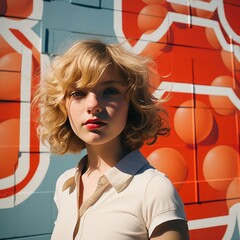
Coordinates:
(125, 113)
(122, 113)
(73, 115)
(74, 123)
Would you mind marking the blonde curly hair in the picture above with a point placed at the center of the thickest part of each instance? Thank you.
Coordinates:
(83, 63)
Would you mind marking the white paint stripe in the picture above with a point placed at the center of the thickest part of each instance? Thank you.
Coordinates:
(26, 74)
(219, 91)
(180, 18)
(37, 12)
(225, 23)
(7, 202)
(20, 173)
(24, 26)
(36, 180)
(208, 222)
(197, 89)
(231, 221)
(7, 182)
(9, 37)
(24, 143)
(209, 6)
(23, 167)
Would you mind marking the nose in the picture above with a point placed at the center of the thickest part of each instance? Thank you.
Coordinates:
(93, 104)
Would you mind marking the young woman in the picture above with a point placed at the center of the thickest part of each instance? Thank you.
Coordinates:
(96, 97)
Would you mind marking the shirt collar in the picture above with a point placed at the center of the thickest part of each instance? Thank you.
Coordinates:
(71, 182)
(122, 174)
(119, 176)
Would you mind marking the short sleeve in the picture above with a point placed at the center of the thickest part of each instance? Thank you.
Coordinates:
(162, 203)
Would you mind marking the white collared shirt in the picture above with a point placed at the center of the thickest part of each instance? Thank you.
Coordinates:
(130, 201)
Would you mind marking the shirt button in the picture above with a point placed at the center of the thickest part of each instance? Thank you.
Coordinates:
(102, 180)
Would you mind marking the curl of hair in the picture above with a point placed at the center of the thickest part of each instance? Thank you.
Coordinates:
(82, 66)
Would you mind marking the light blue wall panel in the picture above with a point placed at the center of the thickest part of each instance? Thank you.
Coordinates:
(43, 237)
(63, 21)
(89, 3)
(57, 41)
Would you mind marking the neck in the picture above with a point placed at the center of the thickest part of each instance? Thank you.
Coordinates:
(105, 156)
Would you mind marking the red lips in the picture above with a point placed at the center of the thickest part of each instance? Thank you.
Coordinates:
(95, 123)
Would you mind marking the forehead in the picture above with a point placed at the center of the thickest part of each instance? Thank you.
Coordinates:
(111, 74)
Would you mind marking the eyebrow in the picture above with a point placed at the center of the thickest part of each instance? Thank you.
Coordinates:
(108, 82)
(103, 83)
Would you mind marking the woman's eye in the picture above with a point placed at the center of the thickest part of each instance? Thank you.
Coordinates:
(77, 94)
(111, 91)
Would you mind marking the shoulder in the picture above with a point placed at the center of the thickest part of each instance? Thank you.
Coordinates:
(152, 178)
(156, 187)
(159, 187)
(159, 181)
(160, 193)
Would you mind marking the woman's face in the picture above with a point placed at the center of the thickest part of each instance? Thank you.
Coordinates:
(99, 115)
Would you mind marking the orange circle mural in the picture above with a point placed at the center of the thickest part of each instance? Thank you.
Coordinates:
(221, 104)
(180, 8)
(171, 162)
(9, 147)
(9, 85)
(11, 62)
(233, 193)
(154, 49)
(203, 13)
(188, 120)
(151, 17)
(5, 48)
(230, 61)
(212, 38)
(21, 8)
(221, 166)
(154, 1)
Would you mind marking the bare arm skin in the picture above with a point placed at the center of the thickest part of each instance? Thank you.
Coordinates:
(172, 230)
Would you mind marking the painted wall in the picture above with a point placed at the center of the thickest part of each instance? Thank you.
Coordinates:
(197, 48)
